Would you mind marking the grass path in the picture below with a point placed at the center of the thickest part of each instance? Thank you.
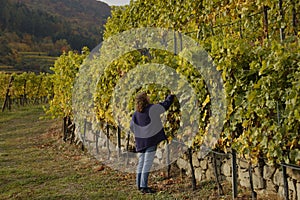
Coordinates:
(36, 164)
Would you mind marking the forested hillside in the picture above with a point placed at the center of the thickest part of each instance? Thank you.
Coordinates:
(47, 28)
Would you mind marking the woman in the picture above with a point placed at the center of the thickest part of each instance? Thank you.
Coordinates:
(148, 131)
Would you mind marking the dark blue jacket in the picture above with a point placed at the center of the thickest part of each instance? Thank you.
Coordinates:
(147, 126)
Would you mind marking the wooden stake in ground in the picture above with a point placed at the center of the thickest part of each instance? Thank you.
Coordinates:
(7, 96)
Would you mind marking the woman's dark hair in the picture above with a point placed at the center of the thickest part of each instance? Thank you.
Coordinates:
(141, 101)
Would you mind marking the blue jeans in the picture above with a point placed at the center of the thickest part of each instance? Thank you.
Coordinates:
(144, 165)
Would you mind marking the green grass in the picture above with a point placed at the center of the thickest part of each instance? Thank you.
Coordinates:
(36, 164)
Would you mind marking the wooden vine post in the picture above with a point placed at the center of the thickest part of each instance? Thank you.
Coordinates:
(119, 140)
(285, 182)
(38, 91)
(234, 175)
(127, 148)
(24, 98)
(265, 22)
(97, 140)
(253, 193)
(84, 134)
(220, 189)
(7, 95)
(168, 160)
(234, 170)
(107, 141)
(190, 154)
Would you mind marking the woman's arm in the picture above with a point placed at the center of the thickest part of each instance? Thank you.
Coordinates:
(168, 101)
